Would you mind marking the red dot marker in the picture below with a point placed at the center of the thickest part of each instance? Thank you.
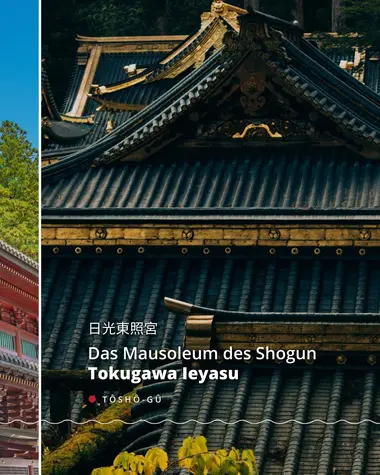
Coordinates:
(92, 399)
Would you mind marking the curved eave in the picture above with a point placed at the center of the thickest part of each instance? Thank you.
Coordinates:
(323, 88)
(15, 363)
(83, 158)
(182, 57)
(18, 258)
(118, 106)
(185, 308)
(48, 98)
(212, 215)
(89, 119)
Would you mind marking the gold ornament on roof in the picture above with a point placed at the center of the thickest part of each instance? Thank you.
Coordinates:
(274, 135)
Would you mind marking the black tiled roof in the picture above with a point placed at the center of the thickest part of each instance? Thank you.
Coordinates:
(72, 90)
(78, 291)
(139, 94)
(99, 130)
(372, 74)
(51, 104)
(110, 69)
(307, 74)
(337, 56)
(111, 66)
(268, 178)
(66, 132)
(279, 395)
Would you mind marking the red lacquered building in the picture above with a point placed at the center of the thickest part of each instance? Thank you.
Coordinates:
(18, 362)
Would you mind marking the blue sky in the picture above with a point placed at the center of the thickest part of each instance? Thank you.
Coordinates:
(19, 65)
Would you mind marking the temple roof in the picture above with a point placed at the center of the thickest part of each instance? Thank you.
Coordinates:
(269, 180)
(263, 128)
(114, 78)
(16, 365)
(80, 290)
(302, 71)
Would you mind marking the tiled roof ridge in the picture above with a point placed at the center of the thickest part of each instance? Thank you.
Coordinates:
(322, 59)
(29, 367)
(14, 252)
(170, 114)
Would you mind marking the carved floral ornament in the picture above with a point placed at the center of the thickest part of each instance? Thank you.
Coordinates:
(229, 13)
(252, 89)
(18, 318)
(258, 37)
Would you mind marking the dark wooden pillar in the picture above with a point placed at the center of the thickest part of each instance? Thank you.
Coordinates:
(299, 13)
(335, 15)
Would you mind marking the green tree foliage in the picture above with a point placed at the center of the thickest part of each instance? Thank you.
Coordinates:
(18, 190)
(362, 17)
(193, 456)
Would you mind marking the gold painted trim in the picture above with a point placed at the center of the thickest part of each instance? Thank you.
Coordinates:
(129, 39)
(274, 135)
(14, 379)
(119, 105)
(78, 120)
(88, 78)
(45, 162)
(213, 37)
(133, 47)
(293, 236)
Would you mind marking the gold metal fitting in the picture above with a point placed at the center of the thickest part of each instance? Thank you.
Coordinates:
(206, 251)
(365, 234)
(78, 250)
(98, 250)
(188, 234)
(272, 251)
(371, 360)
(274, 234)
(228, 250)
(362, 252)
(141, 250)
(294, 251)
(339, 251)
(341, 359)
(184, 251)
(55, 250)
(317, 251)
(101, 233)
(119, 250)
